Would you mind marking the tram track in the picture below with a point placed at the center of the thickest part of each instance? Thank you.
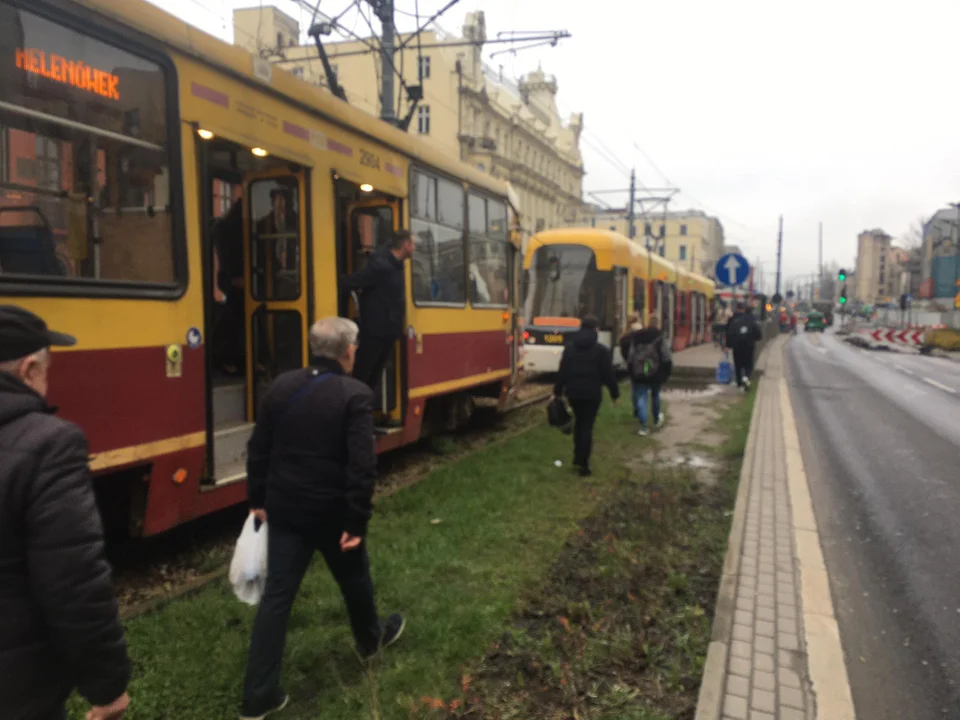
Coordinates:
(151, 572)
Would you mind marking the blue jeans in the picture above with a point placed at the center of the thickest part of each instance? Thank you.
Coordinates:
(640, 402)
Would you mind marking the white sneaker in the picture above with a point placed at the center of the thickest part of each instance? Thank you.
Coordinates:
(643, 432)
(746, 383)
(660, 420)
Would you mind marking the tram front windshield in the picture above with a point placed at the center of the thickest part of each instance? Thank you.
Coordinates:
(564, 283)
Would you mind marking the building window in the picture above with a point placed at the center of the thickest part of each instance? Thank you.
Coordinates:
(540, 225)
(663, 231)
(647, 229)
(280, 42)
(298, 72)
(683, 229)
(423, 119)
(663, 251)
(436, 221)
(683, 252)
(48, 163)
(424, 67)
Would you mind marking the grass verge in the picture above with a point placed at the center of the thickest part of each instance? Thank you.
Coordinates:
(455, 553)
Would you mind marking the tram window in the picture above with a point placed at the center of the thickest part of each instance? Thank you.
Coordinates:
(85, 187)
(489, 258)
(564, 282)
(639, 295)
(274, 240)
(439, 275)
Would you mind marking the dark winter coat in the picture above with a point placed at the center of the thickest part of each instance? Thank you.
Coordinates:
(585, 367)
(644, 337)
(311, 458)
(743, 330)
(59, 628)
(382, 296)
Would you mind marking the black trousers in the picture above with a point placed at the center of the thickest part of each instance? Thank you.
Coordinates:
(288, 555)
(372, 355)
(743, 361)
(584, 418)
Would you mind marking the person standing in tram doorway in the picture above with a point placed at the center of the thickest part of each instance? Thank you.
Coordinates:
(382, 301)
(585, 367)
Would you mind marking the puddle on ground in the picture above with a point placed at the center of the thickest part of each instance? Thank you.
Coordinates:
(691, 430)
(693, 462)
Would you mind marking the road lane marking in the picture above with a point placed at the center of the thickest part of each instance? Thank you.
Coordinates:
(902, 369)
(825, 660)
(822, 350)
(945, 388)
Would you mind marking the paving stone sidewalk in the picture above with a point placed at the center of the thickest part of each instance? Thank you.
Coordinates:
(757, 667)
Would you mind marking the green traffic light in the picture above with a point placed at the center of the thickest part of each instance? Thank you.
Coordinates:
(843, 301)
(841, 277)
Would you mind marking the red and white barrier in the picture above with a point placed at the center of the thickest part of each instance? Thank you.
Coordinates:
(909, 337)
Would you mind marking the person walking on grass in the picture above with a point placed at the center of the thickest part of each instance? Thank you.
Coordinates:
(649, 362)
(311, 467)
(585, 367)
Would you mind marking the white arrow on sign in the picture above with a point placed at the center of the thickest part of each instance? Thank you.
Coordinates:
(731, 266)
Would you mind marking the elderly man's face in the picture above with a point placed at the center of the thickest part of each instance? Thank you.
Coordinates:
(33, 372)
(348, 360)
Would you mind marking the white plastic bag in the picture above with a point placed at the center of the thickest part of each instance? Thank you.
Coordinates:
(248, 569)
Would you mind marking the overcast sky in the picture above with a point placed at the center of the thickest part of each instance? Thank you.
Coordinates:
(840, 111)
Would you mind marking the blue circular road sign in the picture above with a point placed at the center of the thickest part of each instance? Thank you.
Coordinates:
(732, 269)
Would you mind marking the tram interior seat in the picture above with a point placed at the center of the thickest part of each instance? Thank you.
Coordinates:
(29, 249)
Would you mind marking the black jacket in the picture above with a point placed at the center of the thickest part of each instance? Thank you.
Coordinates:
(311, 458)
(585, 367)
(743, 330)
(382, 296)
(59, 628)
(643, 337)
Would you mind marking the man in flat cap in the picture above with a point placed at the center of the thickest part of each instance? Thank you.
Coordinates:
(59, 625)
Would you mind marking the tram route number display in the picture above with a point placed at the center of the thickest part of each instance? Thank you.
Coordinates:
(557, 339)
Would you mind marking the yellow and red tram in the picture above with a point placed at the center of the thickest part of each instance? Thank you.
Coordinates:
(128, 137)
(570, 272)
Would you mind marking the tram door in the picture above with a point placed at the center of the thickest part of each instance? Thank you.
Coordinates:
(622, 286)
(276, 253)
(370, 227)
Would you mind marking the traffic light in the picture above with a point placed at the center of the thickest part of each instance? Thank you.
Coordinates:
(842, 275)
(843, 294)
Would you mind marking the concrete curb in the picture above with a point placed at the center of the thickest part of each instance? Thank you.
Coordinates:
(710, 699)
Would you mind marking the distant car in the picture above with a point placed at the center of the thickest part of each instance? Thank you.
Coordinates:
(815, 321)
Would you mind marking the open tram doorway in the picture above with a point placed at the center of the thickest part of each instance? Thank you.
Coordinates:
(366, 222)
(256, 289)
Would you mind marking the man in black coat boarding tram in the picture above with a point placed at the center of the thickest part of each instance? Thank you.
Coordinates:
(382, 303)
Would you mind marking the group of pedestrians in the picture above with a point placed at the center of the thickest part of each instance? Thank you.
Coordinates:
(586, 367)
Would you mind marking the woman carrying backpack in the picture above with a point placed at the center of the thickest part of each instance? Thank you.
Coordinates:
(647, 354)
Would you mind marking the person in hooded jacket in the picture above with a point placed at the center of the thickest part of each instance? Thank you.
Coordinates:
(635, 346)
(585, 367)
(59, 625)
(743, 334)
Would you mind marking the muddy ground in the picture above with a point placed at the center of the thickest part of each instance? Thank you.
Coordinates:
(620, 627)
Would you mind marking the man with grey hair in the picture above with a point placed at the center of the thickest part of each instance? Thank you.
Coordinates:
(59, 625)
(311, 467)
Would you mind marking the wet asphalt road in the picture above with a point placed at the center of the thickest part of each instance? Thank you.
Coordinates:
(880, 434)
